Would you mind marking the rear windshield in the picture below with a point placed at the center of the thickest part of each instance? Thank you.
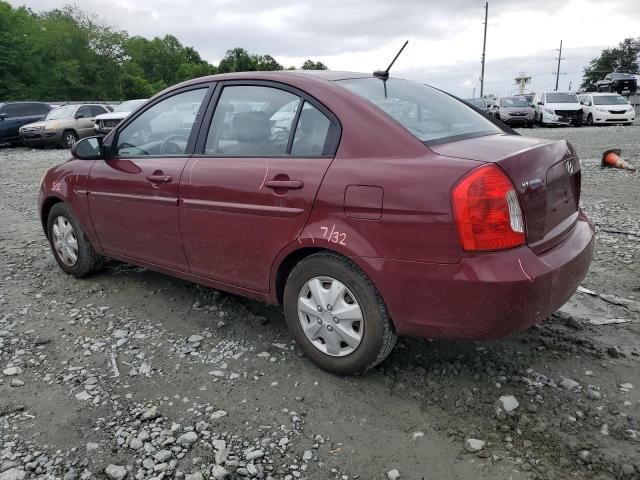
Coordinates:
(609, 100)
(429, 114)
(514, 102)
(555, 97)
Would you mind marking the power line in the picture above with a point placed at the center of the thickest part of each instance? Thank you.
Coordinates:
(484, 47)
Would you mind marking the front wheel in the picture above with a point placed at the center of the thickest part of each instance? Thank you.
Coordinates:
(69, 138)
(336, 315)
(70, 245)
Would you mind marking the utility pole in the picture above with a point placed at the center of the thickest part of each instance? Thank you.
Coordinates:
(558, 71)
(484, 48)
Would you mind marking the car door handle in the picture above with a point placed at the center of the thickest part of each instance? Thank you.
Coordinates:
(159, 178)
(288, 184)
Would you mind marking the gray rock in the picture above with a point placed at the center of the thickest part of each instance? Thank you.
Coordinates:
(307, 455)
(12, 371)
(16, 382)
(136, 444)
(13, 474)
(474, 445)
(83, 396)
(187, 439)
(218, 414)
(219, 473)
(194, 476)
(569, 384)
(195, 338)
(253, 455)
(115, 472)
(252, 469)
(508, 403)
(151, 414)
(72, 474)
(393, 474)
(592, 394)
(613, 352)
(120, 333)
(163, 456)
(91, 446)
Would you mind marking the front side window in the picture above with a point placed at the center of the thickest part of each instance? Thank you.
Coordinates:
(163, 129)
(429, 114)
(252, 121)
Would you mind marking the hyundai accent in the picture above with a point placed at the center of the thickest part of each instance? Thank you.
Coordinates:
(367, 207)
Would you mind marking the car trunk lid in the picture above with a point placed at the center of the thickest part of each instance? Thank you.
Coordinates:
(546, 175)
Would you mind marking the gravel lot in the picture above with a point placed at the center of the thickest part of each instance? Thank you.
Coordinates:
(132, 373)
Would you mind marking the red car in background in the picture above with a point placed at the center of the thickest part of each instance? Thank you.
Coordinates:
(368, 207)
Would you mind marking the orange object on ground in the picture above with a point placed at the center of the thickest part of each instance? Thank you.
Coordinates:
(611, 158)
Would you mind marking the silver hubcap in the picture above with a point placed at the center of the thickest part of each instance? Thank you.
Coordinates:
(65, 242)
(70, 140)
(330, 316)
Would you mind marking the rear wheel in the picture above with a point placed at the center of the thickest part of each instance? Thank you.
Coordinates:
(336, 315)
(69, 243)
(69, 138)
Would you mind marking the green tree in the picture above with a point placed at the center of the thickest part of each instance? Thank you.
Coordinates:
(624, 58)
(237, 60)
(311, 65)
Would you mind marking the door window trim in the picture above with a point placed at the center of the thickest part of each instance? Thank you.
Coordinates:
(205, 125)
(195, 130)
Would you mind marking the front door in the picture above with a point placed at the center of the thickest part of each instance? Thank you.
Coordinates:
(249, 191)
(133, 195)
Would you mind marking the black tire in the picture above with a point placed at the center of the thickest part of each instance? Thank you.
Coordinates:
(88, 261)
(67, 135)
(541, 121)
(590, 120)
(379, 336)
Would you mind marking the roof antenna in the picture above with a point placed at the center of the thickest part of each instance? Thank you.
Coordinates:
(384, 74)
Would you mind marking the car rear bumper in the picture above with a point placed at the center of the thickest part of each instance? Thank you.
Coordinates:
(485, 295)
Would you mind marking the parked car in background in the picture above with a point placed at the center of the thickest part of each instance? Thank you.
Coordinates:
(62, 126)
(14, 115)
(618, 83)
(384, 207)
(558, 108)
(108, 121)
(479, 103)
(514, 111)
(606, 108)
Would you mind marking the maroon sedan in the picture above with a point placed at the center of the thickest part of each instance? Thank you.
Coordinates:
(367, 207)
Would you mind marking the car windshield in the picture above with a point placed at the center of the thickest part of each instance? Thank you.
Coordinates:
(609, 100)
(620, 76)
(429, 114)
(61, 112)
(128, 106)
(557, 97)
(514, 102)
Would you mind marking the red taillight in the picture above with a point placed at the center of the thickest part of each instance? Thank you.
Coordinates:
(487, 211)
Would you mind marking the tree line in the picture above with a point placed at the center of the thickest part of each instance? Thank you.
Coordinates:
(66, 54)
(625, 58)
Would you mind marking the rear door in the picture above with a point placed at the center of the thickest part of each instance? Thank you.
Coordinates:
(249, 189)
(133, 195)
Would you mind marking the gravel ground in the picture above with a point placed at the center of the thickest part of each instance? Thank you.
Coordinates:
(134, 374)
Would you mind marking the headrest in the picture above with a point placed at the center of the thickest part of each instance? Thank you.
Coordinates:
(251, 127)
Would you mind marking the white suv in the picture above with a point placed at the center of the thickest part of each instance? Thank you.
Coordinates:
(603, 108)
(557, 108)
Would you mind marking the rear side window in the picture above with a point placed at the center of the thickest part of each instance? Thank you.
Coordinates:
(84, 111)
(16, 110)
(97, 110)
(312, 132)
(429, 114)
(252, 121)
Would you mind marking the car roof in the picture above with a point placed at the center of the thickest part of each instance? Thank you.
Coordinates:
(327, 75)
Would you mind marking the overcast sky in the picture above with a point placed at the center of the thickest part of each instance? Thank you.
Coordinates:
(445, 37)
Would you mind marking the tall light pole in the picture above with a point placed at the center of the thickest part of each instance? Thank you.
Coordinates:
(558, 71)
(484, 48)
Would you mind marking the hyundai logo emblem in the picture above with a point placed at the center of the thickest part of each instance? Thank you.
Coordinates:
(569, 166)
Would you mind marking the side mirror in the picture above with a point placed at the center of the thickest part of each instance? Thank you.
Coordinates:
(540, 103)
(89, 148)
(3, 116)
(78, 115)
